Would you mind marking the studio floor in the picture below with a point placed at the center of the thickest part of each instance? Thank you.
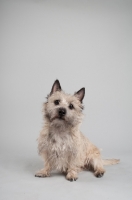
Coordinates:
(17, 181)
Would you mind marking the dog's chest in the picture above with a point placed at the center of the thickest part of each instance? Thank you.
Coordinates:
(60, 151)
(60, 145)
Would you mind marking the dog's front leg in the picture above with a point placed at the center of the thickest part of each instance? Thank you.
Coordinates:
(45, 172)
(72, 174)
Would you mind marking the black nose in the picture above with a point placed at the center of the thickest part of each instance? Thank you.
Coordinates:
(62, 112)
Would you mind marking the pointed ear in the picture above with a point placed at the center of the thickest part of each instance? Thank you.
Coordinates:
(56, 87)
(80, 94)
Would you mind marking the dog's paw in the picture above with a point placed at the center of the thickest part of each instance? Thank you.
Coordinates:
(41, 174)
(71, 177)
(99, 174)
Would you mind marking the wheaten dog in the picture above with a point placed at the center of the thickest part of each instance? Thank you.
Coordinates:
(61, 144)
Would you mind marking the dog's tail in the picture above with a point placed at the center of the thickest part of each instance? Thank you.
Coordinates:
(110, 161)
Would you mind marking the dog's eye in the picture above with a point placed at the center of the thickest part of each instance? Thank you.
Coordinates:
(71, 106)
(56, 102)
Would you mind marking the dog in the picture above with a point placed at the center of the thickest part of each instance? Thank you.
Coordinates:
(61, 144)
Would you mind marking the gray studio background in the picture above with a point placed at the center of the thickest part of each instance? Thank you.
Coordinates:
(83, 44)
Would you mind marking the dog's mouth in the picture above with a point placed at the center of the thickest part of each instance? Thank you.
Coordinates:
(58, 117)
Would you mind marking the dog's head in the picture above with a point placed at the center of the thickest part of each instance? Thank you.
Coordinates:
(62, 108)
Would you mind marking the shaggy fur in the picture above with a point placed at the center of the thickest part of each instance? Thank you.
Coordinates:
(61, 144)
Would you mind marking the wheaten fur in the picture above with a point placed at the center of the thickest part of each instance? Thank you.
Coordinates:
(61, 144)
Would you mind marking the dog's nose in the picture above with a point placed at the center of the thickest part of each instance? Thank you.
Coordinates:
(62, 112)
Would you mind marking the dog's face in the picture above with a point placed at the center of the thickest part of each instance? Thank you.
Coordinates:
(62, 108)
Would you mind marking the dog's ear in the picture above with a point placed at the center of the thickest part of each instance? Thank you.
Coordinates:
(56, 87)
(80, 94)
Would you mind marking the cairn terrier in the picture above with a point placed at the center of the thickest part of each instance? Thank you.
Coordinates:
(61, 144)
